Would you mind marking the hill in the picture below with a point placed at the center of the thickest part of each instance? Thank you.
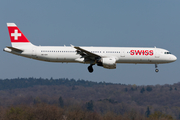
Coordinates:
(96, 97)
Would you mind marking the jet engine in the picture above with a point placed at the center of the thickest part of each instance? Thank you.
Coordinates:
(109, 63)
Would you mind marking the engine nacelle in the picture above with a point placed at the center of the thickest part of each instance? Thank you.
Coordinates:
(109, 63)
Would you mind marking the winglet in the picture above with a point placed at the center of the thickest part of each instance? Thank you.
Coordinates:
(72, 45)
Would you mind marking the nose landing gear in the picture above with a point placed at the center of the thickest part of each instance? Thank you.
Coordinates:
(156, 70)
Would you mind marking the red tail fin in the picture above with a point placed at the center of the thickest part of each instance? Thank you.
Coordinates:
(15, 34)
(18, 39)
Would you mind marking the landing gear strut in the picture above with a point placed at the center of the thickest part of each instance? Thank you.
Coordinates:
(90, 68)
(156, 70)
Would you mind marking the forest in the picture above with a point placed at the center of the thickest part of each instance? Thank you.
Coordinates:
(70, 99)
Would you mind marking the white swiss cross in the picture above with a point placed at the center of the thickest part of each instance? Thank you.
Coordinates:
(16, 34)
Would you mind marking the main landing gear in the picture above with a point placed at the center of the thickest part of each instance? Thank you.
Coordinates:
(90, 68)
(156, 70)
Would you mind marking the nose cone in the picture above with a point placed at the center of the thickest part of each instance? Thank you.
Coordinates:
(173, 58)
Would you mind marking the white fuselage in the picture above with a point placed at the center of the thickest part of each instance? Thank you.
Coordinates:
(121, 54)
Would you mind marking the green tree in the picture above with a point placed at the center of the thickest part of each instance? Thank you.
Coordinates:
(142, 90)
(170, 88)
(149, 88)
(89, 106)
(148, 112)
(61, 102)
(157, 115)
(37, 100)
(132, 89)
(125, 89)
(17, 113)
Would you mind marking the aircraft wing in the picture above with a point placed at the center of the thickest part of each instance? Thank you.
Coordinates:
(86, 54)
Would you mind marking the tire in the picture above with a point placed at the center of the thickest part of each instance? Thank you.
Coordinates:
(90, 69)
(156, 70)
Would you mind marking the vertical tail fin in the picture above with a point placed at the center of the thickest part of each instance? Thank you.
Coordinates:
(17, 37)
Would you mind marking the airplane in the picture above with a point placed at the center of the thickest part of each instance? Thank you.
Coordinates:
(106, 57)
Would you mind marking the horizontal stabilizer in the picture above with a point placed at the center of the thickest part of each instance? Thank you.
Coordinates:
(15, 49)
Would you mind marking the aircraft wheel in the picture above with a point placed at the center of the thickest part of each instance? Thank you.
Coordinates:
(90, 69)
(156, 70)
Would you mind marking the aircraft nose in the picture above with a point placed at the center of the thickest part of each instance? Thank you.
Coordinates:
(174, 58)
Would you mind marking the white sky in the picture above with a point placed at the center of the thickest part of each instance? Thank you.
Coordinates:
(119, 23)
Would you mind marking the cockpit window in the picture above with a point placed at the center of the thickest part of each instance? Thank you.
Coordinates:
(167, 52)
